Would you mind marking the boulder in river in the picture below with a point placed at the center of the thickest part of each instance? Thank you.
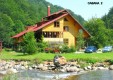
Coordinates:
(72, 69)
(111, 67)
(11, 71)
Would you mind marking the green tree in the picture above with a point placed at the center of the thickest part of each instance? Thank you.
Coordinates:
(110, 36)
(6, 29)
(80, 41)
(108, 19)
(19, 26)
(98, 31)
(42, 45)
(29, 44)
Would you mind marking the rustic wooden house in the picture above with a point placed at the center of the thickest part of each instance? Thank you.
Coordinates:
(59, 27)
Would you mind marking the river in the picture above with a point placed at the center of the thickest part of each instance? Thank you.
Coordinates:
(96, 75)
(45, 75)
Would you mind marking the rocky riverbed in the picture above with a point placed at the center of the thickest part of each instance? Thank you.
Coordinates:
(12, 67)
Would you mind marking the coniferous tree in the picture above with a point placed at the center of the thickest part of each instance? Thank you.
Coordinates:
(29, 43)
(6, 29)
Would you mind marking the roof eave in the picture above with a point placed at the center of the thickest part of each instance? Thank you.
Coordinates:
(79, 24)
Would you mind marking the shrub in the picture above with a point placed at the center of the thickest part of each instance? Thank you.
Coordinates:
(29, 44)
(66, 49)
(110, 61)
(72, 49)
(56, 50)
(42, 46)
(52, 50)
(48, 50)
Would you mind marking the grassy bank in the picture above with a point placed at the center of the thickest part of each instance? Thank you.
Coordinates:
(93, 57)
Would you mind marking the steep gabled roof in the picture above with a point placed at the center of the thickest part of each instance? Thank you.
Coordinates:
(79, 24)
(49, 19)
(25, 31)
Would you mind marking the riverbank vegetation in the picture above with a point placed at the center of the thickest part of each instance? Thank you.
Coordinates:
(90, 58)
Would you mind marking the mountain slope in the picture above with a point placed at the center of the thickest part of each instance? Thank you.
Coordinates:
(16, 14)
(108, 19)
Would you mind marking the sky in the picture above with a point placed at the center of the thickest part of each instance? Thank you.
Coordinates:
(81, 7)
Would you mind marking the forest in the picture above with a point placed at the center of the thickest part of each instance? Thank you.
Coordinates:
(101, 30)
(15, 15)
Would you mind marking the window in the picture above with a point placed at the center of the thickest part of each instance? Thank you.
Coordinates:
(65, 19)
(56, 24)
(51, 34)
(80, 31)
(66, 28)
(66, 41)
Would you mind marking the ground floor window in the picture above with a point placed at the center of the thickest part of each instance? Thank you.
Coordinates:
(66, 41)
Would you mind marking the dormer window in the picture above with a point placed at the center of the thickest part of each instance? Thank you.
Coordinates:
(56, 24)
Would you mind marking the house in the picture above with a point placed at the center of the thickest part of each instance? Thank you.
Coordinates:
(57, 28)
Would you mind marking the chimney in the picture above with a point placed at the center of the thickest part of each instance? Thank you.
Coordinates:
(48, 11)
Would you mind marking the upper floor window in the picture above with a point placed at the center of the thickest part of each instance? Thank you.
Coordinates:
(66, 28)
(65, 19)
(56, 24)
(80, 31)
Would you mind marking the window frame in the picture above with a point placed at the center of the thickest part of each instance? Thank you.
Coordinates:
(65, 19)
(56, 24)
(66, 28)
(66, 41)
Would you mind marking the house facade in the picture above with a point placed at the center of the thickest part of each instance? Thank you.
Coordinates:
(57, 28)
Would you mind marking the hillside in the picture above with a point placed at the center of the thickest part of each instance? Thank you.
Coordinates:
(108, 19)
(16, 14)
